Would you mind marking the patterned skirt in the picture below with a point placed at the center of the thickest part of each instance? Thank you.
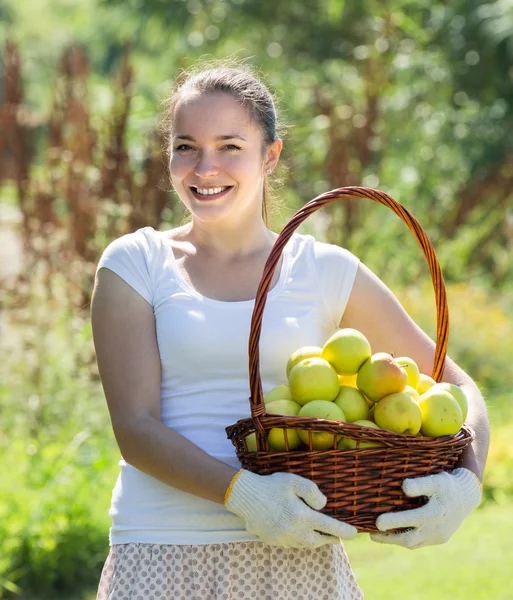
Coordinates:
(227, 571)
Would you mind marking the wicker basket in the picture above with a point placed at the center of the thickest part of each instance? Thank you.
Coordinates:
(363, 483)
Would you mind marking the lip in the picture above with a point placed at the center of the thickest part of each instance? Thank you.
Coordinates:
(210, 196)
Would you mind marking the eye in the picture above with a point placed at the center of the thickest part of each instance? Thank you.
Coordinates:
(183, 148)
(230, 147)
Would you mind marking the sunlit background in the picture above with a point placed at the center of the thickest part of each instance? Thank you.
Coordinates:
(411, 97)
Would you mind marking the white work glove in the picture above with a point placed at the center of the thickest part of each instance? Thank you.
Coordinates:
(282, 510)
(452, 496)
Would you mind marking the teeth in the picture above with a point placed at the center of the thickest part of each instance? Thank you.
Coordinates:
(210, 191)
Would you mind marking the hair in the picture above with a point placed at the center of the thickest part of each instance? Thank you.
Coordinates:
(231, 77)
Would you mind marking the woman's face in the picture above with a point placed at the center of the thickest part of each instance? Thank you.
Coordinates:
(217, 161)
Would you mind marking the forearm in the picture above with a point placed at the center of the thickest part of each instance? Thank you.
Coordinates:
(166, 455)
(474, 456)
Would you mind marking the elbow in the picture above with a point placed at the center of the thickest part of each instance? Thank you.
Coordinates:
(131, 435)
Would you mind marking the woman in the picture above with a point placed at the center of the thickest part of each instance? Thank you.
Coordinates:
(171, 315)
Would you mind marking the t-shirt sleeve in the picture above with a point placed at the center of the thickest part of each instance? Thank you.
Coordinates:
(336, 270)
(130, 257)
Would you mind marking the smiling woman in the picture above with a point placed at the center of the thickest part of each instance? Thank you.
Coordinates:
(171, 315)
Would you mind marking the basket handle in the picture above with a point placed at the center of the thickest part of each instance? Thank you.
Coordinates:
(442, 322)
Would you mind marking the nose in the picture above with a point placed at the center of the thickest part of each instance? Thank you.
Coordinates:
(206, 165)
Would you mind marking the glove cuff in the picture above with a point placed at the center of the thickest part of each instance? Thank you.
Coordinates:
(230, 487)
(243, 493)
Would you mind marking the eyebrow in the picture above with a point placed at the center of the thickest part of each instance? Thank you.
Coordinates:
(219, 138)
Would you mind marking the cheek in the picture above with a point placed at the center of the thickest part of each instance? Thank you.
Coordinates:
(177, 167)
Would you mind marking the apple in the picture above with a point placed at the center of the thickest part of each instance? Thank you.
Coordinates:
(313, 379)
(276, 435)
(251, 443)
(320, 409)
(347, 349)
(280, 392)
(352, 403)
(441, 413)
(283, 407)
(412, 391)
(347, 380)
(398, 412)
(380, 376)
(346, 442)
(277, 439)
(425, 382)
(412, 370)
(301, 354)
(457, 393)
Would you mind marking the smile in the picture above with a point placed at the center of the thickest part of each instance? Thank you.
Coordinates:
(210, 193)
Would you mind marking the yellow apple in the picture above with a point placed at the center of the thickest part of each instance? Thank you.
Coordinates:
(346, 442)
(412, 391)
(352, 403)
(301, 354)
(280, 392)
(313, 379)
(441, 413)
(425, 382)
(347, 349)
(347, 380)
(380, 376)
(411, 368)
(457, 393)
(398, 412)
(320, 409)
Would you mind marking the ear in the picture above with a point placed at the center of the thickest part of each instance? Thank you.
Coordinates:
(273, 154)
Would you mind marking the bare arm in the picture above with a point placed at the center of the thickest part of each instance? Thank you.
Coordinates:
(375, 311)
(128, 361)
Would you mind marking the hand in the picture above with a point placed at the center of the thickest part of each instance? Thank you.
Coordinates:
(452, 496)
(282, 510)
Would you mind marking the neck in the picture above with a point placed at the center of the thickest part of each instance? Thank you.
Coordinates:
(225, 241)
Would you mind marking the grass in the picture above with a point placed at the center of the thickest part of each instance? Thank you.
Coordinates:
(475, 563)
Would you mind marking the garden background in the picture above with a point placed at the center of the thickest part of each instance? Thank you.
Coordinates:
(408, 96)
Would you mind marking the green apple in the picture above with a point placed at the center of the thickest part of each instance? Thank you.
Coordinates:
(320, 409)
(379, 376)
(283, 407)
(412, 391)
(277, 439)
(251, 442)
(346, 442)
(276, 435)
(398, 412)
(347, 350)
(441, 413)
(425, 382)
(411, 368)
(352, 403)
(457, 393)
(313, 379)
(280, 392)
(301, 354)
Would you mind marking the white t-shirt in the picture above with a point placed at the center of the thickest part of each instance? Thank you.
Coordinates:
(203, 346)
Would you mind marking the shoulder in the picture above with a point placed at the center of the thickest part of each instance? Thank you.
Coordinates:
(322, 254)
(144, 239)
